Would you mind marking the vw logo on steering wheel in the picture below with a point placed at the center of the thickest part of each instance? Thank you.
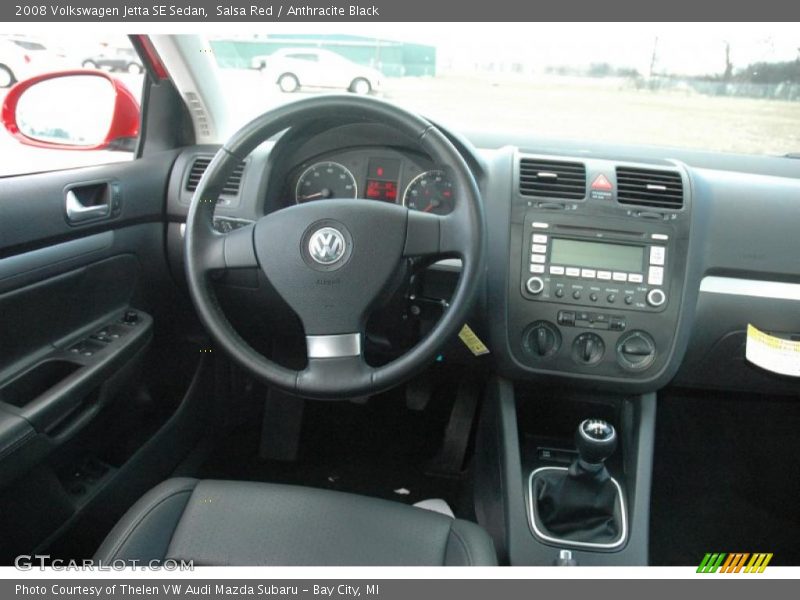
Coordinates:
(327, 245)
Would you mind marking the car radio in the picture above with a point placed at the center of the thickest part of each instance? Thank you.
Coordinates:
(602, 268)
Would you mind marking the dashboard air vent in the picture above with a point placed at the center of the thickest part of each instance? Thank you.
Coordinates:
(648, 187)
(552, 179)
(199, 167)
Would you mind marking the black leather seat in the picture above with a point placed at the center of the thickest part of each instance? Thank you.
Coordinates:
(246, 523)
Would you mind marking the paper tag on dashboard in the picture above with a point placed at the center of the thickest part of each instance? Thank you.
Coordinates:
(472, 341)
(773, 353)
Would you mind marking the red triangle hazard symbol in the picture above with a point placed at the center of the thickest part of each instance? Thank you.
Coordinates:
(601, 182)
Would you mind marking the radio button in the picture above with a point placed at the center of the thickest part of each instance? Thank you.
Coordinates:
(538, 225)
(537, 258)
(620, 276)
(655, 276)
(556, 270)
(540, 248)
(657, 254)
(539, 238)
(656, 298)
(537, 268)
(635, 278)
(573, 272)
(588, 273)
(534, 285)
(606, 275)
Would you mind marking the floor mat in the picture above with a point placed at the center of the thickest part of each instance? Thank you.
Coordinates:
(380, 449)
(726, 478)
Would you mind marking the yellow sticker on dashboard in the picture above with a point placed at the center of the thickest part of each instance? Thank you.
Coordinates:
(472, 341)
(772, 353)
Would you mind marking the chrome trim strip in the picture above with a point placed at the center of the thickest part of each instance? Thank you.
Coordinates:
(776, 290)
(562, 542)
(333, 346)
(447, 264)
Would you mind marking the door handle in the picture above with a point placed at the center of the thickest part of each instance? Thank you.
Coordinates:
(77, 212)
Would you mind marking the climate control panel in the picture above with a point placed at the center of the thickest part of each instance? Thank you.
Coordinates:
(597, 276)
(595, 297)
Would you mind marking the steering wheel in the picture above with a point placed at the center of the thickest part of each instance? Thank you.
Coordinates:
(333, 260)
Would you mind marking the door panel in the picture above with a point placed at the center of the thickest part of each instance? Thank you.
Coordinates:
(33, 208)
(80, 299)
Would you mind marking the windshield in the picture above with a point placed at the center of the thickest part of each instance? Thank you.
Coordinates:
(719, 87)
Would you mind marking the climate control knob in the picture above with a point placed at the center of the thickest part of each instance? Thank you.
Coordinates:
(636, 351)
(541, 339)
(656, 297)
(588, 349)
(534, 285)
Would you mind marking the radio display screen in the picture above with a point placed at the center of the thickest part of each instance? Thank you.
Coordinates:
(597, 255)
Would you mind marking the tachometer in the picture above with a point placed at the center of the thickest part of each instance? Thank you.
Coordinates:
(431, 192)
(325, 180)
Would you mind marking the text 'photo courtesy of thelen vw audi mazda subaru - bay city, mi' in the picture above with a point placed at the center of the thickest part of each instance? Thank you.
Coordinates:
(520, 296)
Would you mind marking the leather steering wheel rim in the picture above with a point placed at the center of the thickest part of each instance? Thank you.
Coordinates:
(374, 231)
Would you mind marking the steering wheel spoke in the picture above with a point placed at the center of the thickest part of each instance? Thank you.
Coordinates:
(335, 364)
(433, 235)
(233, 250)
(239, 249)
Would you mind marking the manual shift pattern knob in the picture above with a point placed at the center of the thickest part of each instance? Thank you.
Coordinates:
(596, 440)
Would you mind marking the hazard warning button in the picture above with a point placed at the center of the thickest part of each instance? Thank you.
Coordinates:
(601, 182)
(601, 188)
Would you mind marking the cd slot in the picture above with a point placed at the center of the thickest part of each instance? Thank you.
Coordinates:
(594, 231)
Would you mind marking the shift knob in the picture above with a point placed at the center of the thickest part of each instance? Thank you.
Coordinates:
(596, 440)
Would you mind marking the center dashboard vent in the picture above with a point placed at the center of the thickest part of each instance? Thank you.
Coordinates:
(199, 167)
(649, 187)
(552, 179)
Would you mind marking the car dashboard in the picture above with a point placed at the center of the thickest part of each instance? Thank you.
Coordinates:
(604, 269)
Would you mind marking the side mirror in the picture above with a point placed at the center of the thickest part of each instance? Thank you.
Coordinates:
(72, 110)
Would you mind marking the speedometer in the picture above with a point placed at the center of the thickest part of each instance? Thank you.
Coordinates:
(325, 180)
(431, 192)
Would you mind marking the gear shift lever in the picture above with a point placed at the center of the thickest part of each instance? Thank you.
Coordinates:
(595, 440)
(582, 503)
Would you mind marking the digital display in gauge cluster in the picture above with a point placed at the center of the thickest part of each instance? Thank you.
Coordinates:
(383, 179)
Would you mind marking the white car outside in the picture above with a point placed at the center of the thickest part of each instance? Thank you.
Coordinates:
(293, 68)
(24, 58)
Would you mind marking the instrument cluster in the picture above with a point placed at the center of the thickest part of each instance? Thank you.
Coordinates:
(378, 174)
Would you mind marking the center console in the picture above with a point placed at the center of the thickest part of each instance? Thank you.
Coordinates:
(588, 317)
(597, 265)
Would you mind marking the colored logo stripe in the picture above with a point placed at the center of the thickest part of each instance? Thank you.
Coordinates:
(711, 562)
(758, 563)
(734, 562)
